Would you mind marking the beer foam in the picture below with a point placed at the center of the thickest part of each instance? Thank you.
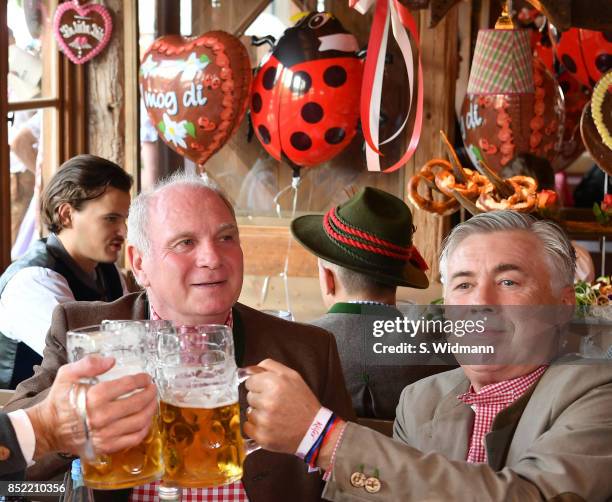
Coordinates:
(205, 399)
(116, 372)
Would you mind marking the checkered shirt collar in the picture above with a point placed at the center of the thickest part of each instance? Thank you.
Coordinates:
(505, 392)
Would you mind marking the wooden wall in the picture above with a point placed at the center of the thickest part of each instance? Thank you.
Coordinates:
(112, 122)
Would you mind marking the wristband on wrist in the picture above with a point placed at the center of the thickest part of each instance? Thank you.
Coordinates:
(313, 453)
(330, 467)
(314, 431)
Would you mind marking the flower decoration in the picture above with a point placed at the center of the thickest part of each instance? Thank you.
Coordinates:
(148, 67)
(174, 132)
(192, 65)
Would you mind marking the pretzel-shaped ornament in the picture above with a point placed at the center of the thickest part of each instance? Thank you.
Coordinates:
(471, 189)
(426, 176)
(523, 199)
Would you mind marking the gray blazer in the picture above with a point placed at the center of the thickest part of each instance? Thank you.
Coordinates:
(553, 443)
(12, 463)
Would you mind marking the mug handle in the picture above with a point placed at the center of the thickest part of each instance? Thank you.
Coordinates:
(78, 401)
(244, 373)
(250, 445)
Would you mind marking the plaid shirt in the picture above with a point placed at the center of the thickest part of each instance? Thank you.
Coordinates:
(488, 402)
(232, 492)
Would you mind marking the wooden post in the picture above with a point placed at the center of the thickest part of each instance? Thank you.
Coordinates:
(439, 59)
(5, 190)
(131, 106)
(106, 96)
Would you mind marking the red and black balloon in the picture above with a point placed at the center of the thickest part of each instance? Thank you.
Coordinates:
(305, 95)
(586, 54)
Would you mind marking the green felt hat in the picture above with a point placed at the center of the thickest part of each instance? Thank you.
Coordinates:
(371, 233)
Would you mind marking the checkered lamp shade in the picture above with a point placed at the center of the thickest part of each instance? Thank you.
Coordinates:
(502, 63)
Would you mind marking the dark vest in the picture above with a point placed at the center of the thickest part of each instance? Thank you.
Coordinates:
(16, 358)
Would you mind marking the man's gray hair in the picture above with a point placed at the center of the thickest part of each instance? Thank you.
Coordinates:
(558, 249)
(138, 217)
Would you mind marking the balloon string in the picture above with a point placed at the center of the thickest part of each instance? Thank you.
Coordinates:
(293, 189)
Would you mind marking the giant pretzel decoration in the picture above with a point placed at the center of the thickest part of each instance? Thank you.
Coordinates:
(523, 199)
(427, 175)
(476, 191)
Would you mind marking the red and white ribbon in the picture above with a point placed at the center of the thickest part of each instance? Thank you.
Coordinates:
(388, 12)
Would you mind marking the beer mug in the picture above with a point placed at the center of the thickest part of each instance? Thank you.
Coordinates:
(127, 342)
(198, 380)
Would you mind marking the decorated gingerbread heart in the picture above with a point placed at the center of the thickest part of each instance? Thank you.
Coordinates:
(498, 127)
(195, 90)
(82, 31)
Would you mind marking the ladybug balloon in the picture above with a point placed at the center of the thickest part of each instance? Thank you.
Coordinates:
(586, 54)
(305, 96)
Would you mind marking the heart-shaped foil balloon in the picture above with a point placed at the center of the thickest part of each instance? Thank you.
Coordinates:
(195, 91)
(82, 31)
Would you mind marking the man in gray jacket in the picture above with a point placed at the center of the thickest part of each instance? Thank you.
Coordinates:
(527, 430)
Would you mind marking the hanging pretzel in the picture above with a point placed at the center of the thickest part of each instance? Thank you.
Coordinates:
(458, 179)
(426, 176)
(447, 183)
(523, 199)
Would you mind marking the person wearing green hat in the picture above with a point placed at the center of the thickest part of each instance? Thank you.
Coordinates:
(365, 250)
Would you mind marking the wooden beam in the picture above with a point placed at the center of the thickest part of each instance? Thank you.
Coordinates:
(5, 186)
(52, 120)
(33, 103)
(106, 97)
(131, 104)
(439, 58)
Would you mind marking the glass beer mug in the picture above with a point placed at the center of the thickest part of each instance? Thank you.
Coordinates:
(126, 341)
(198, 383)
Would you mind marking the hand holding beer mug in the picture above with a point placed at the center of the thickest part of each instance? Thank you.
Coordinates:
(198, 383)
(126, 342)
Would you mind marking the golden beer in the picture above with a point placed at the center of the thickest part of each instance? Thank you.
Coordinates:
(127, 468)
(202, 447)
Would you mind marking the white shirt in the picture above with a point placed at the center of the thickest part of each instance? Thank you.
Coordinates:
(27, 304)
(25, 434)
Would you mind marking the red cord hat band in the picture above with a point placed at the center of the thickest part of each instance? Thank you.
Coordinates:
(377, 245)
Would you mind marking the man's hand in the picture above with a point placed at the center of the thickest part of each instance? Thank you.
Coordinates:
(282, 407)
(114, 424)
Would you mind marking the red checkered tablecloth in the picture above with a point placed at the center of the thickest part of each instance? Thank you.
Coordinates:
(233, 492)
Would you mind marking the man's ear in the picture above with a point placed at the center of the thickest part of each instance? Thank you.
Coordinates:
(568, 295)
(135, 258)
(329, 279)
(64, 211)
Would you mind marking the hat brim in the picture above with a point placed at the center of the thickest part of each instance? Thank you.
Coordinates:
(308, 231)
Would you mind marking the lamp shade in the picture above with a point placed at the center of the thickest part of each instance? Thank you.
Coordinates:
(502, 63)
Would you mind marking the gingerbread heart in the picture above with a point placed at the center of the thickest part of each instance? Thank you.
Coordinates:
(195, 90)
(82, 31)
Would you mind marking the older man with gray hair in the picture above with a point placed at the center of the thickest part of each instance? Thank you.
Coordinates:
(184, 249)
(535, 429)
